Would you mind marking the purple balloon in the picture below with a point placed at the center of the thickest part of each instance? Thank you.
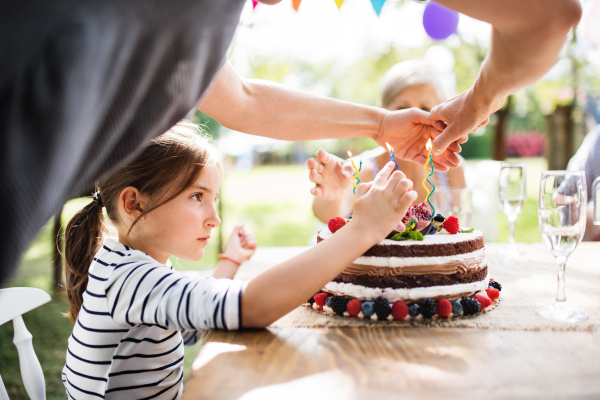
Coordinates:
(439, 21)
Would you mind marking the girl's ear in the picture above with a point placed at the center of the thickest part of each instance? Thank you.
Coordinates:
(131, 204)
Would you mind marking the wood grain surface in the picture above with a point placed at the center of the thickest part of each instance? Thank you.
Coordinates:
(395, 362)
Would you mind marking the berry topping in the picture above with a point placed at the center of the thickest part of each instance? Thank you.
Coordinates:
(311, 301)
(382, 308)
(428, 308)
(470, 306)
(399, 310)
(368, 309)
(432, 230)
(492, 293)
(354, 307)
(413, 310)
(457, 308)
(451, 225)
(338, 304)
(328, 302)
(495, 285)
(444, 308)
(321, 299)
(439, 218)
(483, 300)
(336, 223)
(420, 212)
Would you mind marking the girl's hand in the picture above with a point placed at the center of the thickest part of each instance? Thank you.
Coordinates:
(241, 244)
(330, 176)
(380, 204)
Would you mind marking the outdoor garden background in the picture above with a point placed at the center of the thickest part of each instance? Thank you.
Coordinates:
(343, 54)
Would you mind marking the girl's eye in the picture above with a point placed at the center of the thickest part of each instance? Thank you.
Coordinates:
(197, 197)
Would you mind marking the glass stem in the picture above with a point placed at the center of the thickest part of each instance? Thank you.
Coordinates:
(561, 262)
(511, 231)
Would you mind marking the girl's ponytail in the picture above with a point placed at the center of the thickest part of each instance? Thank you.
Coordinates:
(83, 238)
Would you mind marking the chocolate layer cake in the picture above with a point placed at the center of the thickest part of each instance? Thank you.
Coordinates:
(442, 266)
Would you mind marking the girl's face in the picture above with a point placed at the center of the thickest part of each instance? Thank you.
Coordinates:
(182, 226)
(421, 96)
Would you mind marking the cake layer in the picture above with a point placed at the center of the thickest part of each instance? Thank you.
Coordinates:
(450, 292)
(417, 265)
(438, 245)
(413, 281)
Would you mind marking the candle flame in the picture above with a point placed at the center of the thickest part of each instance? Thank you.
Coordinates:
(349, 154)
(390, 148)
(429, 146)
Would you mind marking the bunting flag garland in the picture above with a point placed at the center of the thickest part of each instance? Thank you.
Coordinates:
(377, 5)
(254, 4)
(296, 4)
(339, 3)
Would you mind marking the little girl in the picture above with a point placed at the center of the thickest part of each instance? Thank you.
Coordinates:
(133, 312)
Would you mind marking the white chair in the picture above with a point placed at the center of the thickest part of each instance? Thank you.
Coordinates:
(15, 302)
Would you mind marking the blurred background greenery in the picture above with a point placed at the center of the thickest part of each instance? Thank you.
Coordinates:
(342, 54)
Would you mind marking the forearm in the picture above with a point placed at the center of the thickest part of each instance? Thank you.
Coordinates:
(225, 269)
(279, 290)
(324, 209)
(273, 110)
(527, 37)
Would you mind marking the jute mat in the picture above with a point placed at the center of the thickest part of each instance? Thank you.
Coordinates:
(527, 284)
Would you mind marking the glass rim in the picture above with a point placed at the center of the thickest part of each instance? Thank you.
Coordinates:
(562, 172)
(511, 164)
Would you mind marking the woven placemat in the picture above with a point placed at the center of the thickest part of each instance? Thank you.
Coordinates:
(527, 284)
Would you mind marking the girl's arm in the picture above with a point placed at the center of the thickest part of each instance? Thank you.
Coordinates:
(239, 248)
(378, 207)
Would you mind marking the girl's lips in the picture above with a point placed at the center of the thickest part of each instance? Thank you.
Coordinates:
(204, 239)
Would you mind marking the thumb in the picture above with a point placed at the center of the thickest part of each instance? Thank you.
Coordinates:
(448, 136)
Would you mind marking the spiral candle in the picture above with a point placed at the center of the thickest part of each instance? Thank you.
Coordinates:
(428, 197)
(356, 171)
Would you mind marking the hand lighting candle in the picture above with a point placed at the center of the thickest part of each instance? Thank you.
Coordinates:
(356, 171)
(392, 158)
(429, 147)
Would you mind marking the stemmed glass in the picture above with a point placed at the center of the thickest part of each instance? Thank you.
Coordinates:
(511, 190)
(561, 218)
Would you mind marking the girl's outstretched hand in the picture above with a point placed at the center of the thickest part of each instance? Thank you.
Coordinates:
(241, 244)
(380, 204)
(330, 175)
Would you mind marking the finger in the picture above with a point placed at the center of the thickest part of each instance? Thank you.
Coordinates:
(312, 163)
(393, 181)
(484, 123)
(315, 191)
(404, 185)
(419, 116)
(406, 200)
(440, 125)
(450, 134)
(463, 139)
(454, 147)
(363, 188)
(440, 167)
(314, 176)
(323, 156)
(383, 175)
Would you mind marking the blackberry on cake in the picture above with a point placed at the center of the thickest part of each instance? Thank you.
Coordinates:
(382, 308)
(428, 308)
(495, 285)
(338, 304)
(470, 306)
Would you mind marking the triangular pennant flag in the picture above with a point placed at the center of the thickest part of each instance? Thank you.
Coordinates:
(339, 3)
(254, 4)
(377, 4)
(296, 4)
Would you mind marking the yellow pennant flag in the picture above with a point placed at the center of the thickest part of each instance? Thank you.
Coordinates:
(339, 3)
(296, 4)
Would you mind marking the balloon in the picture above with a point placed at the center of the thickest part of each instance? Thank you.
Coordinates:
(377, 4)
(439, 21)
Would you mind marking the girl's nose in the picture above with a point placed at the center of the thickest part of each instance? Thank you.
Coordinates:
(213, 219)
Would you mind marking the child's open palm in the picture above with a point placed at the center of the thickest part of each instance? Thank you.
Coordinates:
(330, 175)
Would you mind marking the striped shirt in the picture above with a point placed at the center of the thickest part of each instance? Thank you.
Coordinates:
(136, 316)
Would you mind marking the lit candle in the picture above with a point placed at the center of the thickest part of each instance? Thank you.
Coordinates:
(429, 147)
(392, 158)
(356, 171)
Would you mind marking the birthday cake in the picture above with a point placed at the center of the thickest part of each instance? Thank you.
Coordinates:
(427, 268)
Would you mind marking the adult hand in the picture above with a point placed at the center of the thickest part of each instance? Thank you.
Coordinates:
(330, 175)
(461, 115)
(408, 131)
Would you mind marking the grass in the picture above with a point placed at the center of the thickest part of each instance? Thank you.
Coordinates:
(274, 202)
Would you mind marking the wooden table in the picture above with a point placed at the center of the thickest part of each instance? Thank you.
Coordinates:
(396, 362)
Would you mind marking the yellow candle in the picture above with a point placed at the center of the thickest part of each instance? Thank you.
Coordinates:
(355, 172)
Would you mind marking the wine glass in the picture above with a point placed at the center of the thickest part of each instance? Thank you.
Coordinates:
(596, 197)
(511, 190)
(561, 218)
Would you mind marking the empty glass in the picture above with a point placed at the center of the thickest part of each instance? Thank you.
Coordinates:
(454, 201)
(511, 191)
(562, 218)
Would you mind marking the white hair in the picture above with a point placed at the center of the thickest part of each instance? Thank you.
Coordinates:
(409, 73)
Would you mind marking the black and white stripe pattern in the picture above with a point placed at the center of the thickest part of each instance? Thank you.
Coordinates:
(137, 315)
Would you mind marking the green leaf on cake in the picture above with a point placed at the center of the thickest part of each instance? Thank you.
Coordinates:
(399, 236)
(419, 236)
(413, 235)
(466, 230)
